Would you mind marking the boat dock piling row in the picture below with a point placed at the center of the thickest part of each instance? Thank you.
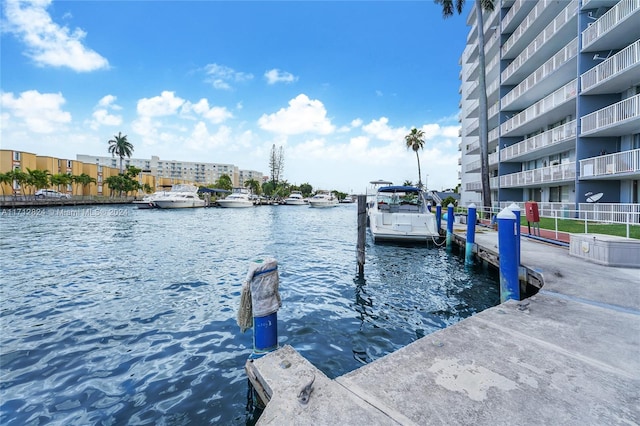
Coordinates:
(568, 355)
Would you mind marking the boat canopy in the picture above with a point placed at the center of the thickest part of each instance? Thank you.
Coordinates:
(399, 188)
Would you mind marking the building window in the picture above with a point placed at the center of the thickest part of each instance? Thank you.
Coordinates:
(16, 156)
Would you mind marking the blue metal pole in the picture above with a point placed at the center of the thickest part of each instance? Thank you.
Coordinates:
(516, 210)
(449, 226)
(438, 215)
(509, 283)
(265, 334)
(471, 234)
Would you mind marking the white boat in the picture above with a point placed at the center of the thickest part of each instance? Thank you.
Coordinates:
(295, 199)
(240, 197)
(347, 200)
(148, 201)
(181, 196)
(323, 199)
(400, 213)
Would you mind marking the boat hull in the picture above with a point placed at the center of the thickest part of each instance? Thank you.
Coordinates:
(403, 227)
(234, 204)
(321, 205)
(173, 204)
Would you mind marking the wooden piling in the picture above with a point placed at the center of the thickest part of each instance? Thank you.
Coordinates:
(362, 231)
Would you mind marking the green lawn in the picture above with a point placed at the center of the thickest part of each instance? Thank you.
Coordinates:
(574, 226)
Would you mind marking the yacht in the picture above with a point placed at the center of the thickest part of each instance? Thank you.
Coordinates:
(295, 199)
(148, 201)
(400, 213)
(181, 196)
(239, 197)
(323, 199)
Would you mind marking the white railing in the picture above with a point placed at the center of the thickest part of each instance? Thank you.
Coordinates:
(554, 136)
(473, 147)
(474, 165)
(494, 158)
(557, 98)
(494, 110)
(624, 59)
(567, 53)
(493, 134)
(512, 13)
(558, 173)
(525, 24)
(618, 13)
(612, 115)
(473, 125)
(473, 186)
(606, 165)
(589, 213)
(565, 16)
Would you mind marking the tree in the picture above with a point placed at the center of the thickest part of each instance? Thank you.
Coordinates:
(224, 182)
(483, 119)
(21, 178)
(276, 163)
(84, 180)
(407, 183)
(306, 189)
(6, 179)
(254, 185)
(415, 141)
(38, 178)
(121, 147)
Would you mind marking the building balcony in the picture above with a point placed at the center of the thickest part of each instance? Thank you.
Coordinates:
(550, 142)
(560, 103)
(471, 109)
(473, 186)
(614, 74)
(619, 119)
(542, 176)
(494, 183)
(616, 28)
(473, 148)
(558, 70)
(543, 46)
(472, 127)
(473, 167)
(494, 159)
(530, 27)
(514, 16)
(612, 166)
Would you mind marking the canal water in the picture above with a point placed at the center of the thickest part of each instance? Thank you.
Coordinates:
(114, 315)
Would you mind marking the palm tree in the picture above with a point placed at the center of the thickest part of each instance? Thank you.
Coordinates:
(6, 179)
(84, 180)
(415, 141)
(483, 120)
(121, 147)
(254, 185)
(38, 178)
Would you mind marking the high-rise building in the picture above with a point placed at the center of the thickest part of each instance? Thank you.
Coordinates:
(563, 91)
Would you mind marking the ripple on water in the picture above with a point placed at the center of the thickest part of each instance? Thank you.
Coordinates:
(131, 319)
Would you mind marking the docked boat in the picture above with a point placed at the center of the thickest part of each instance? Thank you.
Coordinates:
(181, 196)
(295, 199)
(239, 197)
(148, 201)
(347, 200)
(323, 199)
(400, 213)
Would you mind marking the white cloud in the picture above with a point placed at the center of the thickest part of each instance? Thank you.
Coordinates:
(302, 116)
(276, 76)
(49, 44)
(38, 112)
(165, 104)
(380, 129)
(102, 117)
(215, 115)
(221, 77)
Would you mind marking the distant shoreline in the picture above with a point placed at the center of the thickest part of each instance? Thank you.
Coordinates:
(17, 203)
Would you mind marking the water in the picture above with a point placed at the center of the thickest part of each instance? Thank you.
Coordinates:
(113, 315)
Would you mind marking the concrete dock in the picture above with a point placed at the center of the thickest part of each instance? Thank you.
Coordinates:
(569, 355)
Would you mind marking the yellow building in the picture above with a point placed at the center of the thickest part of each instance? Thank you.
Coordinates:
(15, 160)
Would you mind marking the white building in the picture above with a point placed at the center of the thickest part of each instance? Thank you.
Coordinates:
(198, 172)
(563, 88)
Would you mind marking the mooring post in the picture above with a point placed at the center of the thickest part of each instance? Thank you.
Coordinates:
(516, 210)
(449, 226)
(509, 282)
(263, 282)
(471, 234)
(438, 216)
(362, 232)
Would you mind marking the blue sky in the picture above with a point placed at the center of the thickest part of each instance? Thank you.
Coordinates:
(337, 84)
